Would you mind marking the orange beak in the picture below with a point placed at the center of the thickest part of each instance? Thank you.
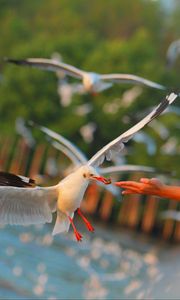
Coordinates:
(102, 179)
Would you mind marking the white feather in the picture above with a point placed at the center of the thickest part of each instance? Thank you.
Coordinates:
(62, 223)
(126, 168)
(92, 82)
(25, 206)
(130, 78)
(117, 144)
(58, 137)
(52, 65)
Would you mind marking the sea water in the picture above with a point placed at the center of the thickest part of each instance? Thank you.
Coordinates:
(108, 264)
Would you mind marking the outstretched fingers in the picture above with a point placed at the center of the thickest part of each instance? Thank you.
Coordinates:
(128, 184)
(145, 186)
(133, 187)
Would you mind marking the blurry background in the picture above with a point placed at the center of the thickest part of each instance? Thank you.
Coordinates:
(105, 37)
(101, 36)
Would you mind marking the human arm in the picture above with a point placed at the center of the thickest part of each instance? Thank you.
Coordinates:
(151, 186)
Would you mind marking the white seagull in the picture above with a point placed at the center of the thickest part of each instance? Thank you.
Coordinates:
(32, 205)
(92, 82)
(78, 158)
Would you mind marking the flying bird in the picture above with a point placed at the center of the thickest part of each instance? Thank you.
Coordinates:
(78, 158)
(33, 205)
(92, 82)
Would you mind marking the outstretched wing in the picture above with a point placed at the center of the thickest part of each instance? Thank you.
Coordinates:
(62, 140)
(25, 206)
(76, 162)
(126, 168)
(9, 179)
(48, 64)
(130, 78)
(117, 144)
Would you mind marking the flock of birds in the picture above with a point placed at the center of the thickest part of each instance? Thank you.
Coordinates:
(23, 202)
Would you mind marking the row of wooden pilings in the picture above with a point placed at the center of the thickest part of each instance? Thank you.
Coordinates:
(137, 212)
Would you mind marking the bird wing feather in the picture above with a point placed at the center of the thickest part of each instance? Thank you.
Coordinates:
(10, 179)
(130, 78)
(67, 153)
(62, 140)
(115, 146)
(126, 168)
(25, 206)
(48, 64)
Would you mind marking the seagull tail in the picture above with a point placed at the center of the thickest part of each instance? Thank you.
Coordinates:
(104, 86)
(62, 223)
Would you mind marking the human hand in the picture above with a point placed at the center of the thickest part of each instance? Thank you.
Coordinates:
(146, 186)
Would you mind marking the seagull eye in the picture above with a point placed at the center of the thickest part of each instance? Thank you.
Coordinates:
(91, 175)
(84, 175)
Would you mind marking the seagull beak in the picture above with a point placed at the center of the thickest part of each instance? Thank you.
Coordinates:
(102, 179)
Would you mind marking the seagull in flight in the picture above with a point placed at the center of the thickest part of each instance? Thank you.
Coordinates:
(92, 82)
(78, 158)
(26, 205)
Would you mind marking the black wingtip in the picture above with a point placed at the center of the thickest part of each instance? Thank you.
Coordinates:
(15, 61)
(10, 60)
(10, 179)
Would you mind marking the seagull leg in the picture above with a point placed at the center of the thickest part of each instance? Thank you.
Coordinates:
(77, 233)
(87, 223)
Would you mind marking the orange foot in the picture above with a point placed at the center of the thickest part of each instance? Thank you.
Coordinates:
(87, 223)
(78, 236)
(89, 226)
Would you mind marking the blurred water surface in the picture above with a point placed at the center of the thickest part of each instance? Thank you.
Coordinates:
(109, 264)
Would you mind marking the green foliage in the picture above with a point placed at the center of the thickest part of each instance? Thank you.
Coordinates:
(102, 36)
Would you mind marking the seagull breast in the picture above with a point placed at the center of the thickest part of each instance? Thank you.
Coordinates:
(91, 81)
(71, 192)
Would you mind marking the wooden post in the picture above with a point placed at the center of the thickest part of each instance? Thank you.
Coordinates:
(20, 156)
(134, 209)
(36, 161)
(129, 212)
(4, 153)
(149, 217)
(169, 223)
(106, 206)
(177, 232)
(92, 199)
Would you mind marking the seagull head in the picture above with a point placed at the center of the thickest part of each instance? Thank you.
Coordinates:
(90, 173)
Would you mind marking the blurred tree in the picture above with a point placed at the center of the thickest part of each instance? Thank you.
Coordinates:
(102, 36)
